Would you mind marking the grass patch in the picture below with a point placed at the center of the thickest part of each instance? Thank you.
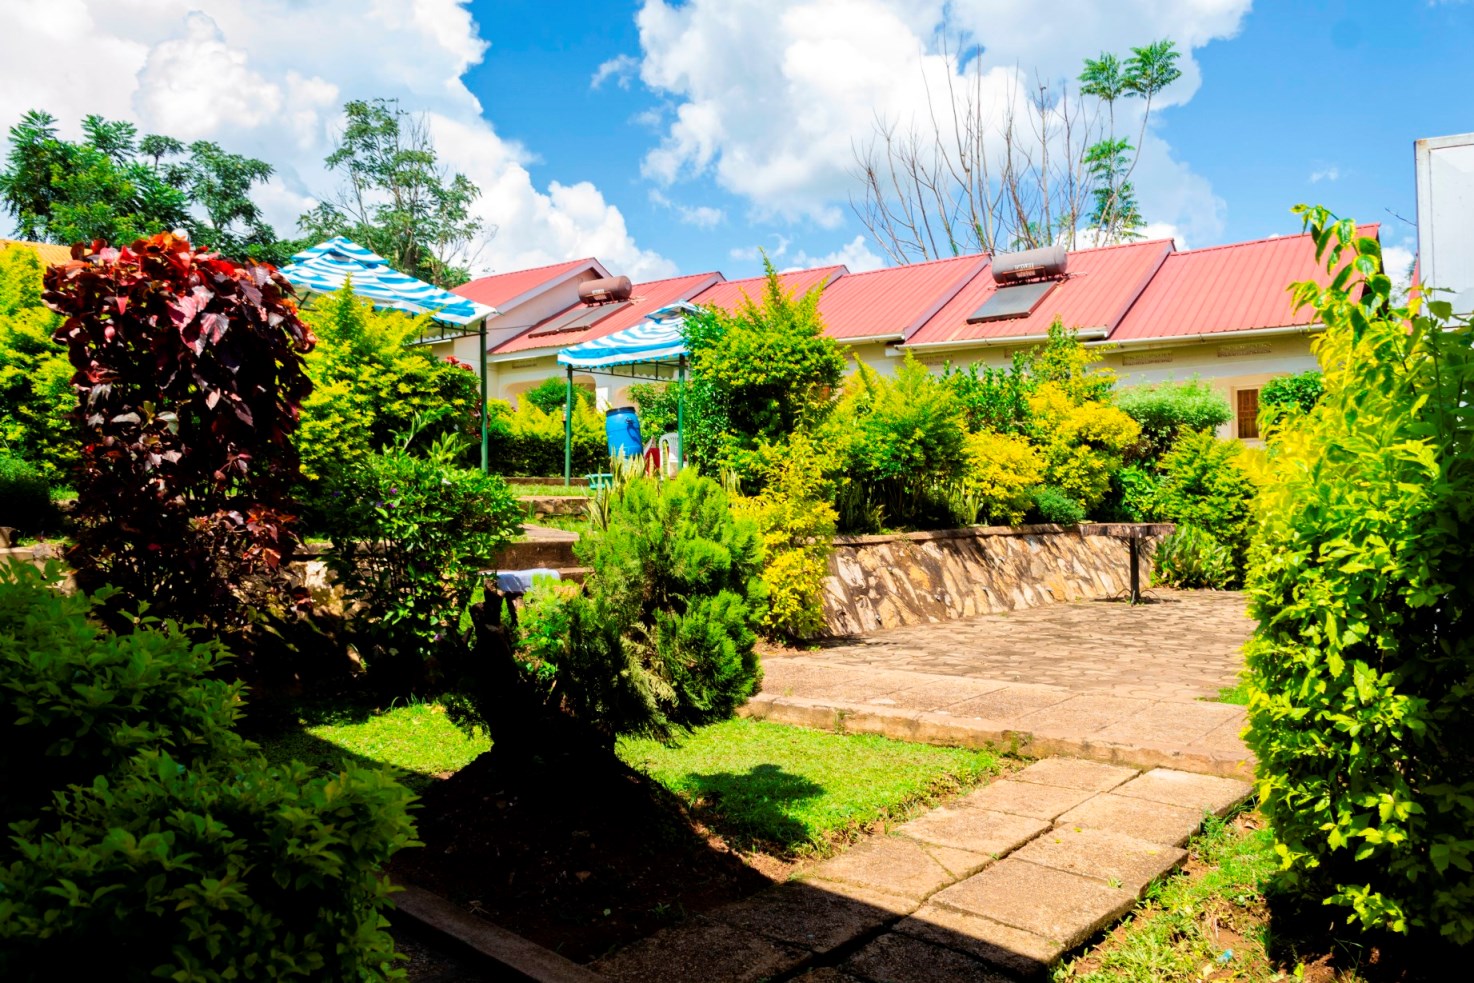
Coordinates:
(793, 791)
(1237, 694)
(417, 742)
(545, 491)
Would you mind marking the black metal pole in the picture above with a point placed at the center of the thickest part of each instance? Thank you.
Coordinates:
(1135, 544)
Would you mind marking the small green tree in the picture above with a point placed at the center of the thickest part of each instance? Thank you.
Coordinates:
(551, 396)
(1361, 669)
(1164, 409)
(36, 395)
(1204, 483)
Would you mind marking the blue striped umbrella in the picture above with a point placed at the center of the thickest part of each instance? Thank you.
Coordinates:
(326, 267)
(658, 338)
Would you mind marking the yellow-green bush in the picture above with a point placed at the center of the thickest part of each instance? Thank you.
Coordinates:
(796, 523)
(1082, 442)
(1361, 669)
(36, 394)
(1001, 470)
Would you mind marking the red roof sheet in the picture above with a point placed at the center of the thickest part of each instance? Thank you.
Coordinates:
(1099, 288)
(1239, 287)
(504, 288)
(728, 294)
(644, 298)
(893, 302)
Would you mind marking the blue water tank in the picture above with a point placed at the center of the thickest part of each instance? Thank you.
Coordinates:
(622, 427)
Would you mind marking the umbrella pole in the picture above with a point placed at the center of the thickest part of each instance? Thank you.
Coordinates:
(485, 437)
(681, 412)
(568, 433)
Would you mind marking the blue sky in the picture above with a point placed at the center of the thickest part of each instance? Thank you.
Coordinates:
(725, 125)
(1309, 101)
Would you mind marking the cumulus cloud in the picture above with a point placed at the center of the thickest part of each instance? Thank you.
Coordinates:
(770, 97)
(1331, 173)
(701, 216)
(234, 73)
(856, 255)
(621, 68)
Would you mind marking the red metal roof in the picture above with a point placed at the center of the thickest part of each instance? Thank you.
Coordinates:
(893, 302)
(501, 290)
(729, 293)
(644, 298)
(1238, 287)
(1099, 288)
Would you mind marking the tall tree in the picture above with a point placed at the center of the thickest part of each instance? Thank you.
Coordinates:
(114, 185)
(396, 198)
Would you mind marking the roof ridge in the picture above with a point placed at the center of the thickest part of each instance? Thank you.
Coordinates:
(912, 266)
(545, 266)
(678, 276)
(810, 269)
(1124, 245)
(1263, 239)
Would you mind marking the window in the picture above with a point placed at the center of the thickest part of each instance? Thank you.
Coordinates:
(1246, 406)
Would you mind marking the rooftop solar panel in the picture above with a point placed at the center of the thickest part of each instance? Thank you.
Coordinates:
(576, 319)
(1008, 303)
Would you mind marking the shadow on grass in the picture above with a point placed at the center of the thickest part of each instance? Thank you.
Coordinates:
(753, 809)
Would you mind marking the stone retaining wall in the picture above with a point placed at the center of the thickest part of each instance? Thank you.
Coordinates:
(880, 582)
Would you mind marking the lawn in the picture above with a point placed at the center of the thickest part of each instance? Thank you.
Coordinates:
(761, 786)
(545, 491)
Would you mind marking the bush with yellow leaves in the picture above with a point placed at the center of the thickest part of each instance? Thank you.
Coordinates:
(1001, 470)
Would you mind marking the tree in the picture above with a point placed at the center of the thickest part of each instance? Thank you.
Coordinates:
(36, 397)
(190, 378)
(118, 187)
(1035, 168)
(396, 199)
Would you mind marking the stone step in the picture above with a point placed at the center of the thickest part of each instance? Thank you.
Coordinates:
(543, 506)
(538, 547)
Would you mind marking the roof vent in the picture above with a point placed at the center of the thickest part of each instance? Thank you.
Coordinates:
(1046, 262)
(605, 290)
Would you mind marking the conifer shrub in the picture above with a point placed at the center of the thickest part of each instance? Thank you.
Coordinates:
(147, 839)
(1361, 669)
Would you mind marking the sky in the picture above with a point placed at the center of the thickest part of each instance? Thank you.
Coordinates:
(676, 137)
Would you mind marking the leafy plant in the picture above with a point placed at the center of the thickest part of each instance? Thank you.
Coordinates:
(1361, 669)
(797, 525)
(1204, 483)
(190, 377)
(551, 396)
(25, 496)
(1002, 471)
(148, 839)
(1133, 496)
(1193, 557)
(1302, 391)
(662, 638)
(1055, 505)
(1164, 409)
(1082, 441)
(530, 441)
(409, 533)
(995, 399)
(657, 405)
(36, 396)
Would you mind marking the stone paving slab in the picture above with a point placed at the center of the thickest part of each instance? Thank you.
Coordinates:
(1156, 822)
(972, 828)
(1049, 903)
(1105, 856)
(1090, 776)
(892, 864)
(700, 949)
(1202, 792)
(895, 958)
(806, 915)
(1010, 949)
(1045, 802)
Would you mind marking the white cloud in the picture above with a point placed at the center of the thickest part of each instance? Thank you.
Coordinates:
(237, 73)
(752, 254)
(1397, 260)
(1331, 173)
(770, 97)
(701, 216)
(856, 255)
(621, 68)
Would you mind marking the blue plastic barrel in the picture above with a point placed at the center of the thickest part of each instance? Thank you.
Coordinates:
(622, 427)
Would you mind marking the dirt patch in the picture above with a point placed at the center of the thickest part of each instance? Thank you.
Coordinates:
(581, 864)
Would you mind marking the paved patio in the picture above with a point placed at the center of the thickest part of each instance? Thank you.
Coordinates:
(1095, 679)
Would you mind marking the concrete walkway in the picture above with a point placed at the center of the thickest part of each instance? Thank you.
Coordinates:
(1106, 681)
(997, 886)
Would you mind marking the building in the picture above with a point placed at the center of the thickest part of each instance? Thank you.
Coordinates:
(49, 253)
(1223, 313)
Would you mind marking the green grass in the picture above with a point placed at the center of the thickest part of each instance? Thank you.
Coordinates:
(794, 791)
(1237, 694)
(761, 786)
(543, 491)
(416, 741)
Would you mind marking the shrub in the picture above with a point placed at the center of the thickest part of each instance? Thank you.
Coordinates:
(662, 638)
(1053, 504)
(37, 401)
(1204, 484)
(1001, 473)
(409, 533)
(797, 526)
(1301, 391)
(1193, 557)
(1361, 669)
(25, 496)
(1082, 442)
(528, 441)
(148, 839)
(1164, 409)
(1133, 496)
(551, 396)
(994, 399)
(656, 402)
(189, 369)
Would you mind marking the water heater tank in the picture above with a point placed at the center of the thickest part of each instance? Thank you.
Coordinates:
(1030, 264)
(605, 290)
